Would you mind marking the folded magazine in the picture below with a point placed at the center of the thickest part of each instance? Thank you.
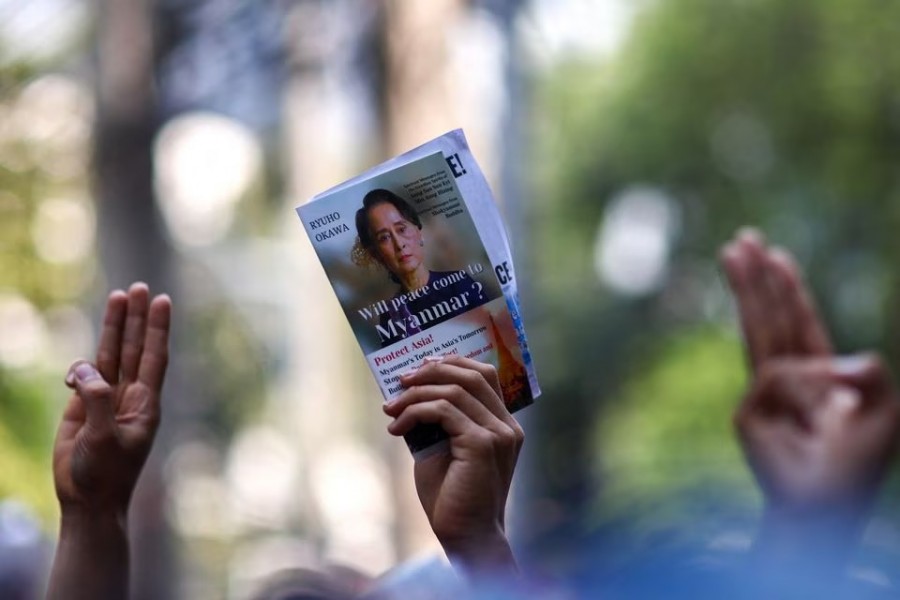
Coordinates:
(419, 259)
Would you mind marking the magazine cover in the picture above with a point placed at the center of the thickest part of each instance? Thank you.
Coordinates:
(414, 279)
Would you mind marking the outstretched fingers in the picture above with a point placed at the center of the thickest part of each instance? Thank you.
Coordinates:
(810, 334)
(110, 347)
(777, 316)
(135, 330)
(782, 328)
(742, 263)
(155, 356)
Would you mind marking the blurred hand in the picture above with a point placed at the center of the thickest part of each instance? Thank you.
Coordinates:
(109, 424)
(463, 491)
(777, 316)
(819, 431)
(104, 438)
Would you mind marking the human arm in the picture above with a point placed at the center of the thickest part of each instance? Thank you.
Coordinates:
(819, 431)
(101, 445)
(464, 490)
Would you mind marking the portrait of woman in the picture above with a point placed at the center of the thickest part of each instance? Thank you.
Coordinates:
(389, 235)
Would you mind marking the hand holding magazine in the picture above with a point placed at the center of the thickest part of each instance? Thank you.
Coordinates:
(420, 262)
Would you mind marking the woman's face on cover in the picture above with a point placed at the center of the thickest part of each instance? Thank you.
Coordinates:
(398, 243)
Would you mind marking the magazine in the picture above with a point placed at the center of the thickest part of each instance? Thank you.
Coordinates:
(419, 260)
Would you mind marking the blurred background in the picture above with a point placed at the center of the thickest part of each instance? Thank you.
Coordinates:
(169, 140)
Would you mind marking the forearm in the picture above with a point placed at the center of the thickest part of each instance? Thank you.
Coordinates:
(91, 559)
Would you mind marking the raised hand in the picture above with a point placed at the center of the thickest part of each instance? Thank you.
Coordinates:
(110, 421)
(819, 431)
(811, 423)
(104, 438)
(464, 490)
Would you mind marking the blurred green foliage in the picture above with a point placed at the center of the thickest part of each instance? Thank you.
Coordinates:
(27, 410)
(783, 114)
(25, 413)
(26, 427)
(33, 145)
(780, 114)
(45, 154)
(667, 435)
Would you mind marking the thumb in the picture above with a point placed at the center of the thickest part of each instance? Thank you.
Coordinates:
(866, 372)
(96, 394)
(840, 402)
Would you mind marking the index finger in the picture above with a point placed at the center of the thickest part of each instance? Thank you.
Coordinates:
(739, 261)
(734, 264)
(155, 358)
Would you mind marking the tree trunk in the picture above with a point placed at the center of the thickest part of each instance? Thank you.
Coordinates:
(132, 243)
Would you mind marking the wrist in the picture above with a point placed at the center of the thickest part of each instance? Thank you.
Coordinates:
(76, 512)
(488, 553)
(99, 526)
(92, 555)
